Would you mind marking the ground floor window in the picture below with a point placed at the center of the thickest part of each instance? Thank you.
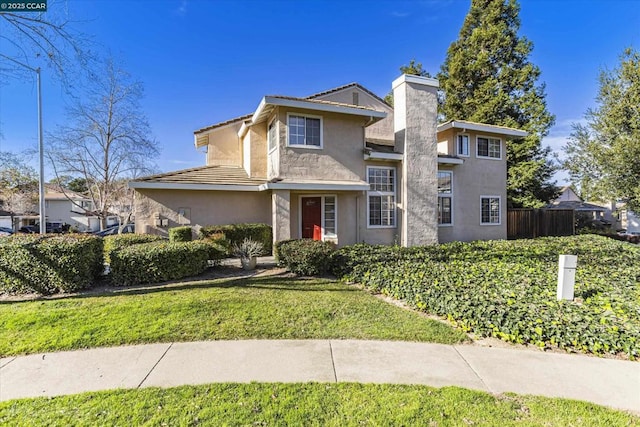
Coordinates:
(490, 210)
(445, 196)
(381, 206)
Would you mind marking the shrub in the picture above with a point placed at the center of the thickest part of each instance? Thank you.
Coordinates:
(248, 249)
(507, 289)
(305, 257)
(236, 233)
(118, 241)
(158, 262)
(180, 234)
(49, 264)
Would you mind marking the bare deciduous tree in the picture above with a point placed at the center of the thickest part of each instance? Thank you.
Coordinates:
(18, 185)
(107, 139)
(38, 39)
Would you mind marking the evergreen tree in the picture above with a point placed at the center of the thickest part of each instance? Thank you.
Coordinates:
(603, 156)
(488, 78)
(414, 68)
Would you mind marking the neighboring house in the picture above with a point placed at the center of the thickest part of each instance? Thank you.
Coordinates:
(65, 207)
(72, 208)
(343, 166)
(6, 219)
(569, 199)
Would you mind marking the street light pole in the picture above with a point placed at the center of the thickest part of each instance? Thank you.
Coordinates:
(43, 217)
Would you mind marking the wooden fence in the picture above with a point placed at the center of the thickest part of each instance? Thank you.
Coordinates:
(529, 223)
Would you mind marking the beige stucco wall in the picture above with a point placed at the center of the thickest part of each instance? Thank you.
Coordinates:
(341, 157)
(474, 178)
(225, 147)
(382, 129)
(202, 208)
(351, 218)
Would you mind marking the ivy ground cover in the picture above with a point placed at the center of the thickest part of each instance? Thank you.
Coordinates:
(507, 289)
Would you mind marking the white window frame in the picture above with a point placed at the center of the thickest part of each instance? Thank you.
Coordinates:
(446, 196)
(305, 145)
(383, 193)
(274, 122)
(488, 138)
(325, 235)
(468, 145)
(491, 196)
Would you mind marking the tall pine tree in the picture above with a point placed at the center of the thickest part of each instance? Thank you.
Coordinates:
(603, 155)
(487, 77)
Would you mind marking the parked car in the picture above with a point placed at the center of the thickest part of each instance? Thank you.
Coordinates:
(6, 231)
(53, 227)
(29, 229)
(114, 229)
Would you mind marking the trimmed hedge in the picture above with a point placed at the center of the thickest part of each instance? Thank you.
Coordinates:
(119, 241)
(158, 262)
(180, 234)
(507, 289)
(49, 264)
(236, 233)
(305, 257)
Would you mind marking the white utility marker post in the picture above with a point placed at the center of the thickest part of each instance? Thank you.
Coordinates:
(566, 276)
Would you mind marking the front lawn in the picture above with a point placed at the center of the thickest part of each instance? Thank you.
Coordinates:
(341, 404)
(268, 308)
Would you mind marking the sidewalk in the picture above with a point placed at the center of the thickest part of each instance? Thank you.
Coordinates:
(613, 383)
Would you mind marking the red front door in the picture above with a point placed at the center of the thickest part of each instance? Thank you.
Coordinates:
(311, 217)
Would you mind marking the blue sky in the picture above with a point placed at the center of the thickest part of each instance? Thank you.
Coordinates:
(206, 61)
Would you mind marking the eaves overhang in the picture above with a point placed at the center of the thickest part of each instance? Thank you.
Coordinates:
(481, 127)
(191, 186)
(373, 155)
(317, 186)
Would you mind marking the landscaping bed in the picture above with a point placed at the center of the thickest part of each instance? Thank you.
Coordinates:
(507, 289)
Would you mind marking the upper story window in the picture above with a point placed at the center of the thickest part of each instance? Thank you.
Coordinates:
(463, 145)
(381, 207)
(272, 134)
(445, 197)
(305, 131)
(489, 147)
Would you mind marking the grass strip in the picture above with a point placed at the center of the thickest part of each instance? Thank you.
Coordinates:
(308, 404)
(255, 308)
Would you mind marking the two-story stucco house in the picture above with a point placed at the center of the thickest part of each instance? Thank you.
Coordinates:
(342, 165)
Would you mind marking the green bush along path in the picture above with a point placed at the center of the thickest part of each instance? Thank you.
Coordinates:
(507, 289)
(274, 308)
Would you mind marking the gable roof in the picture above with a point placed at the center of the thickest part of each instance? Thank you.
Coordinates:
(347, 86)
(310, 98)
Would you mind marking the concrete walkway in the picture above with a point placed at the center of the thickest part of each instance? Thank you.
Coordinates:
(614, 383)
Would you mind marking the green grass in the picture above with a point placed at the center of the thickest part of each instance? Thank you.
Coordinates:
(268, 308)
(307, 404)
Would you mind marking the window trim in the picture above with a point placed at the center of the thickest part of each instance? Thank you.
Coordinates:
(306, 146)
(491, 196)
(322, 218)
(277, 126)
(448, 196)
(383, 193)
(468, 145)
(488, 138)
